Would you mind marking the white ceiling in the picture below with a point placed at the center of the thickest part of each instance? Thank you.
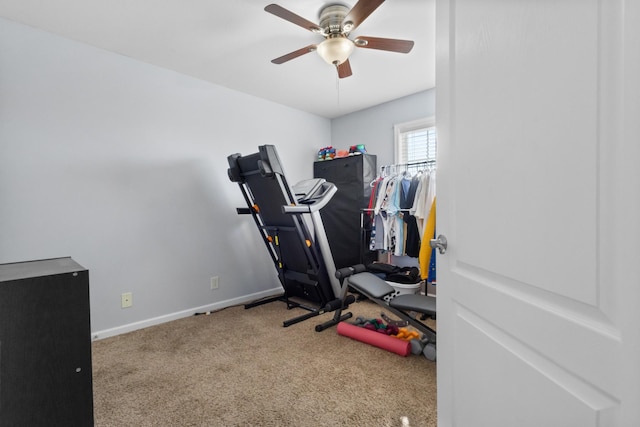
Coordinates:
(231, 43)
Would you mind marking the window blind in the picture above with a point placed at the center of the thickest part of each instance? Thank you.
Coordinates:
(418, 145)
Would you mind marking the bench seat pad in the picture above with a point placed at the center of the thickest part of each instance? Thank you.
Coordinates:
(414, 302)
(370, 284)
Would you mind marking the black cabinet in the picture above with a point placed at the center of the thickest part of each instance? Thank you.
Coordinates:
(45, 344)
(342, 217)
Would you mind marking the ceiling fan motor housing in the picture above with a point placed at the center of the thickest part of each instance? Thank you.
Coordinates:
(331, 18)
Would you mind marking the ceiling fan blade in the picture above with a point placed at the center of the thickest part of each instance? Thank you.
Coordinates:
(392, 45)
(294, 54)
(360, 12)
(344, 69)
(287, 15)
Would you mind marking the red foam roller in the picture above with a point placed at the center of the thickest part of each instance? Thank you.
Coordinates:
(386, 342)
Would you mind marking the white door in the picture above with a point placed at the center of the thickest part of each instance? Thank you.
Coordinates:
(539, 197)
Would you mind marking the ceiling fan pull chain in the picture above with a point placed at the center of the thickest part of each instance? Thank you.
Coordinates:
(338, 87)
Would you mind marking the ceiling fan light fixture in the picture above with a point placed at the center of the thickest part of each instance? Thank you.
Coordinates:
(335, 50)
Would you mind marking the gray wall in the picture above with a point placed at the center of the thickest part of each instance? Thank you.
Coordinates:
(122, 165)
(374, 126)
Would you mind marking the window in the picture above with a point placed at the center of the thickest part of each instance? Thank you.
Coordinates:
(415, 141)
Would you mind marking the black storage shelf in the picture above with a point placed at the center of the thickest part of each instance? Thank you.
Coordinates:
(342, 217)
(45, 344)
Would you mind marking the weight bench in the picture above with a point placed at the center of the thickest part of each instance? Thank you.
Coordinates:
(302, 259)
(410, 307)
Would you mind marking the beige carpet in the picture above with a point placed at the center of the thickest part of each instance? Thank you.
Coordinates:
(240, 367)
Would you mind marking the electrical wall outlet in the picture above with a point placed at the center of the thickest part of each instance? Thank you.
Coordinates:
(215, 282)
(127, 300)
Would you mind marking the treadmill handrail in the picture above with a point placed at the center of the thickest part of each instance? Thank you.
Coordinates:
(317, 203)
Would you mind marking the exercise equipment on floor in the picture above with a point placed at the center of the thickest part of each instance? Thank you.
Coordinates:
(381, 340)
(303, 259)
(405, 306)
(411, 341)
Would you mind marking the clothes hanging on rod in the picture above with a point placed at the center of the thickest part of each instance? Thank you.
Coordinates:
(399, 207)
(406, 168)
(427, 253)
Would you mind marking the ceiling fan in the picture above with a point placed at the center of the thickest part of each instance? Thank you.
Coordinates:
(336, 22)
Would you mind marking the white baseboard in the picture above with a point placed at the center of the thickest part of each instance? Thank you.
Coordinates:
(98, 335)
